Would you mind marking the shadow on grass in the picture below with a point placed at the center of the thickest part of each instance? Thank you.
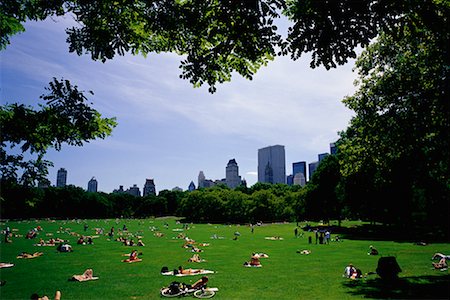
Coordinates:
(416, 287)
(392, 233)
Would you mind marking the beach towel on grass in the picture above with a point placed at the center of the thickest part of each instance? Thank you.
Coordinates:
(6, 265)
(252, 266)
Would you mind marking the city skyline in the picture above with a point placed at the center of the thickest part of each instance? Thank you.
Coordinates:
(231, 175)
(167, 129)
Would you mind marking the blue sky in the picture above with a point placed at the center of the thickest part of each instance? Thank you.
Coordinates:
(168, 130)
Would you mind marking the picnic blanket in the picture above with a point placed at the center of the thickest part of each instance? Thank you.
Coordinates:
(132, 261)
(252, 266)
(202, 272)
(273, 238)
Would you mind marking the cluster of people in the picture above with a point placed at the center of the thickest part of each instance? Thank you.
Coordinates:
(442, 264)
(50, 242)
(82, 240)
(130, 242)
(351, 272)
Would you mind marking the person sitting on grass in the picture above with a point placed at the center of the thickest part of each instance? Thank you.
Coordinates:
(87, 275)
(441, 265)
(133, 257)
(372, 251)
(199, 283)
(63, 247)
(349, 271)
(254, 261)
(195, 258)
(140, 243)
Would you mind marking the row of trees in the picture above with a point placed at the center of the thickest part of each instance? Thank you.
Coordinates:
(328, 196)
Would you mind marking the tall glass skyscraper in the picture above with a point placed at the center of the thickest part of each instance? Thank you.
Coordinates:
(92, 185)
(61, 178)
(149, 188)
(299, 167)
(272, 164)
(312, 168)
(232, 174)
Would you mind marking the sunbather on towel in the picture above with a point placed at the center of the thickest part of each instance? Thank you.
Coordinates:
(28, 255)
(188, 271)
(87, 275)
(6, 265)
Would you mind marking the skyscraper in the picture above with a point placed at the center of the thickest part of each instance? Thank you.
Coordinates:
(272, 164)
(92, 185)
(61, 178)
(312, 167)
(333, 148)
(299, 167)
(149, 187)
(201, 180)
(232, 174)
(134, 190)
(322, 156)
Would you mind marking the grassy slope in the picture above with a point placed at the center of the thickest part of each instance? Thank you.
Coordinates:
(284, 275)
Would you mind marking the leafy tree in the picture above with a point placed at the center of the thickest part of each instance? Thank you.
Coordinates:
(66, 117)
(172, 198)
(219, 37)
(401, 129)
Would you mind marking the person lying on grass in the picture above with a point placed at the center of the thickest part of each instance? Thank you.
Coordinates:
(87, 275)
(181, 270)
(28, 255)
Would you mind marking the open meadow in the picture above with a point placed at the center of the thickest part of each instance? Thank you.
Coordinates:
(285, 274)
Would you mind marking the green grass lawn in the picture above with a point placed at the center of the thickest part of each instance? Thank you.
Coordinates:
(284, 275)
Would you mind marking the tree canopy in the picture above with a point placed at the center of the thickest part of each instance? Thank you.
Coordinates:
(65, 118)
(219, 37)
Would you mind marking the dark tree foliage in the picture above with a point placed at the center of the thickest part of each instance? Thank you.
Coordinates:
(322, 198)
(398, 141)
(219, 37)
